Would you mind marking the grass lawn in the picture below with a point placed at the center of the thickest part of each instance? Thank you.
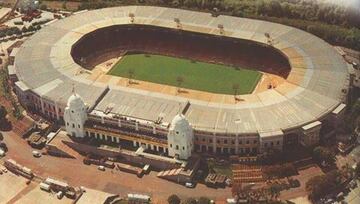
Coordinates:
(201, 76)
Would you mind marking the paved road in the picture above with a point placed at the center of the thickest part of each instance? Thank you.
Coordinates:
(78, 174)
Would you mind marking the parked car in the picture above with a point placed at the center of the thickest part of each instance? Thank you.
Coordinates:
(36, 154)
(3, 146)
(101, 168)
(353, 184)
(59, 195)
(2, 153)
(189, 185)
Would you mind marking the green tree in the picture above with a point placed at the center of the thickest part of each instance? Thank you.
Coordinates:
(180, 81)
(323, 154)
(319, 186)
(190, 201)
(204, 200)
(3, 114)
(131, 74)
(236, 88)
(1, 137)
(173, 199)
(357, 169)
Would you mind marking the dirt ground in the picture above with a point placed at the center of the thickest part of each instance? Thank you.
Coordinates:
(74, 172)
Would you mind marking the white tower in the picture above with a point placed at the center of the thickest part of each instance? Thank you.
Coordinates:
(75, 116)
(180, 138)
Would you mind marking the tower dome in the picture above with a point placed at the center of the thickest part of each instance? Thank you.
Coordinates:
(75, 101)
(180, 137)
(75, 115)
(179, 122)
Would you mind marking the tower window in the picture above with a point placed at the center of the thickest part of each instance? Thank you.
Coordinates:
(171, 145)
(73, 125)
(183, 148)
(177, 147)
(79, 126)
(177, 132)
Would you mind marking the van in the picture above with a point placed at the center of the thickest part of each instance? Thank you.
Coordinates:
(44, 187)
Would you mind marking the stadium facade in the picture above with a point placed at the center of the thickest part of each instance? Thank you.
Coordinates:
(310, 101)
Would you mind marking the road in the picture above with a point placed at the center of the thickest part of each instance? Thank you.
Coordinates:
(76, 173)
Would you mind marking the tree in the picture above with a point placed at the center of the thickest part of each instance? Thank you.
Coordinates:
(236, 88)
(1, 137)
(3, 114)
(190, 201)
(318, 186)
(173, 199)
(131, 74)
(204, 200)
(323, 154)
(180, 81)
(275, 190)
(357, 169)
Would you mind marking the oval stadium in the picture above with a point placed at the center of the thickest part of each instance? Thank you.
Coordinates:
(136, 75)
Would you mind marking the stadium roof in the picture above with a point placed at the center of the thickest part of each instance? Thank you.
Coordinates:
(313, 89)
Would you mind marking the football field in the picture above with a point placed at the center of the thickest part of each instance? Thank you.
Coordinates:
(214, 78)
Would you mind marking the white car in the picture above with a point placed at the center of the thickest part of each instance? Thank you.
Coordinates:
(2, 153)
(101, 168)
(189, 185)
(36, 154)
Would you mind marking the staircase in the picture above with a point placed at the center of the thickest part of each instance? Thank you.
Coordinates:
(247, 174)
(170, 174)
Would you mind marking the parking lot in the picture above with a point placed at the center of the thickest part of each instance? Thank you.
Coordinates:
(74, 172)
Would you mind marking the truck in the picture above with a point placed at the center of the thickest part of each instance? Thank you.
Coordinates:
(138, 198)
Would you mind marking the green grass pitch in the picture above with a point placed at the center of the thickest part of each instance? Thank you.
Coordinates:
(200, 76)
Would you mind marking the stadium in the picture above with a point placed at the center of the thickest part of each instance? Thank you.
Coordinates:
(245, 85)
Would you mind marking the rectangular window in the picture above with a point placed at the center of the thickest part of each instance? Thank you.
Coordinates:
(225, 141)
(177, 147)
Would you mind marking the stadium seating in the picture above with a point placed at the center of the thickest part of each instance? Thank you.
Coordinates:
(109, 42)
